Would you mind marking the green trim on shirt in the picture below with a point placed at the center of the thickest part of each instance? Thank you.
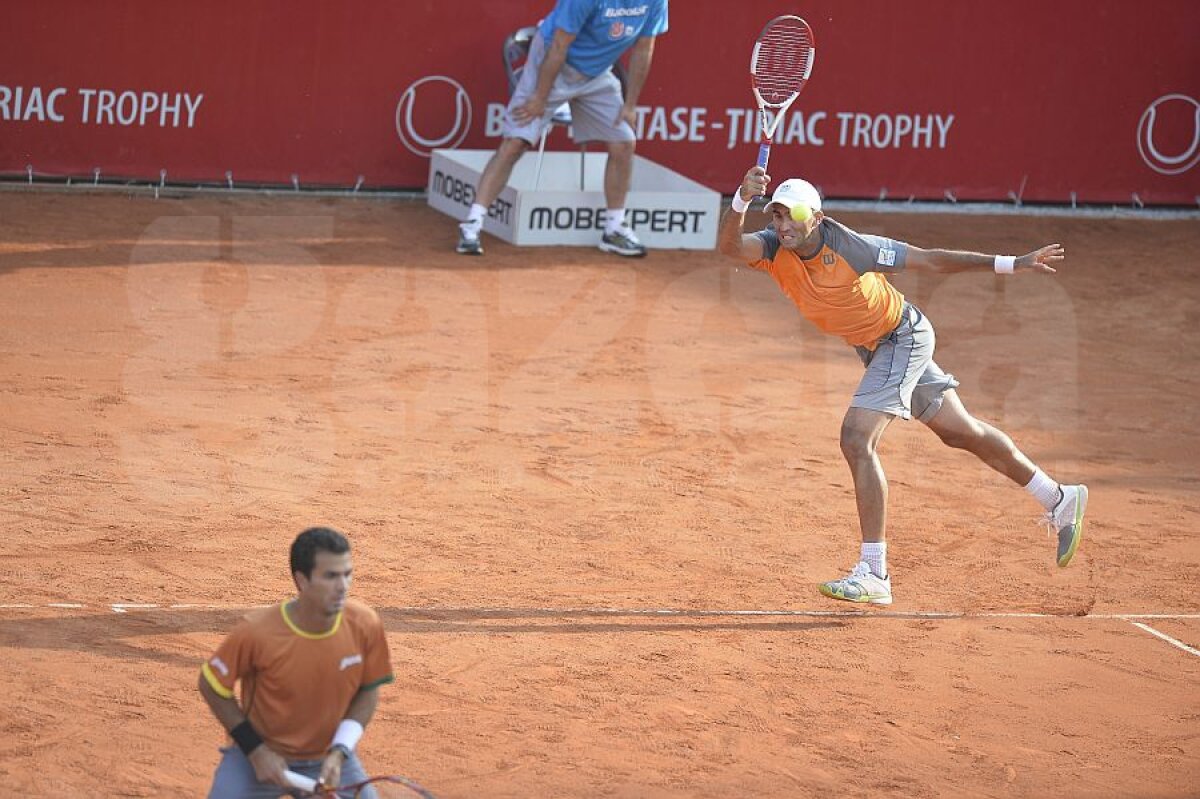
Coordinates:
(381, 681)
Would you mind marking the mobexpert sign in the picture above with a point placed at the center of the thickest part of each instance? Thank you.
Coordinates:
(656, 220)
(665, 209)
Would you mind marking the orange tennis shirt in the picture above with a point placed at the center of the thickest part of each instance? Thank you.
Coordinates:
(843, 289)
(297, 686)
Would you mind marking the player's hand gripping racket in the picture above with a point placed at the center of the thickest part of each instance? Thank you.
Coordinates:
(389, 787)
(779, 67)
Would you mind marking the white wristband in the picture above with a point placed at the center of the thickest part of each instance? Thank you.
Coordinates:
(347, 735)
(300, 781)
(1004, 264)
(738, 205)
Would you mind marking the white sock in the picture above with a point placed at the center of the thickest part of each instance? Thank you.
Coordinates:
(1043, 489)
(613, 219)
(874, 554)
(476, 214)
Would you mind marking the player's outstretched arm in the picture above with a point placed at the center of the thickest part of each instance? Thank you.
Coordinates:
(731, 238)
(1044, 260)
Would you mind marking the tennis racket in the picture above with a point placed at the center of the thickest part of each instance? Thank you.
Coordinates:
(387, 787)
(779, 67)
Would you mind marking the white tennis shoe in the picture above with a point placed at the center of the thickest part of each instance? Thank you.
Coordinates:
(468, 239)
(1066, 520)
(860, 585)
(623, 241)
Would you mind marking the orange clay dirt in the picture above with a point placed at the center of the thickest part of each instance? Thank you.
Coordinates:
(531, 449)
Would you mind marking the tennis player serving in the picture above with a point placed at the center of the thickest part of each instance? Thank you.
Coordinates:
(309, 669)
(838, 279)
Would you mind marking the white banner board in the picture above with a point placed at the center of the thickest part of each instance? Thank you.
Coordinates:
(561, 200)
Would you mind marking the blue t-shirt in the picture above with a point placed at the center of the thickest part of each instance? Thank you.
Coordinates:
(603, 29)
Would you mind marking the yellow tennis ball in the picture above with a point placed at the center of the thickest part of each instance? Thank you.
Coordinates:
(801, 212)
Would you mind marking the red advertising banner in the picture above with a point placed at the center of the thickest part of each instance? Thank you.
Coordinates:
(1076, 100)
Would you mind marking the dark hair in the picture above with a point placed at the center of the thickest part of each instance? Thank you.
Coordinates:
(314, 540)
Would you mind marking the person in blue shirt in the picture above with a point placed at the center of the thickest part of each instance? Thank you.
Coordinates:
(570, 60)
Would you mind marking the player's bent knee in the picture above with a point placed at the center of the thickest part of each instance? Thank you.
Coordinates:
(621, 149)
(856, 445)
(512, 149)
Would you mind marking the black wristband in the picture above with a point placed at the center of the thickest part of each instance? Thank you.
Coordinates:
(246, 737)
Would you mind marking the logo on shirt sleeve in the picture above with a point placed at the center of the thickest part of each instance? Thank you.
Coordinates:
(886, 258)
(348, 661)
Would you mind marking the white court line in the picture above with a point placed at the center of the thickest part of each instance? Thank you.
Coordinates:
(859, 613)
(1167, 638)
(124, 607)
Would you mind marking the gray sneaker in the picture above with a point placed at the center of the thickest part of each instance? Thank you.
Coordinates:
(622, 241)
(1067, 521)
(468, 240)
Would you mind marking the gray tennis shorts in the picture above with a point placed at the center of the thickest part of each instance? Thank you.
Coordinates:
(902, 378)
(234, 778)
(595, 102)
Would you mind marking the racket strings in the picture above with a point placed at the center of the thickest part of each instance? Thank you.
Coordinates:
(782, 61)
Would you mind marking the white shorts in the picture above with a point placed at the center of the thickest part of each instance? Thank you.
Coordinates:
(595, 102)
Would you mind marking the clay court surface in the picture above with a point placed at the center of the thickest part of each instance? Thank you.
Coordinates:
(533, 450)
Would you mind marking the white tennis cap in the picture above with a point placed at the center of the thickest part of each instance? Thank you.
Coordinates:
(796, 191)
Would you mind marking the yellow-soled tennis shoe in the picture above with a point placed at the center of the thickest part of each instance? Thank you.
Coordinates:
(860, 585)
(1067, 521)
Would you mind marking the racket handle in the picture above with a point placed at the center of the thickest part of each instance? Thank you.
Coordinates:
(300, 781)
(764, 154)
